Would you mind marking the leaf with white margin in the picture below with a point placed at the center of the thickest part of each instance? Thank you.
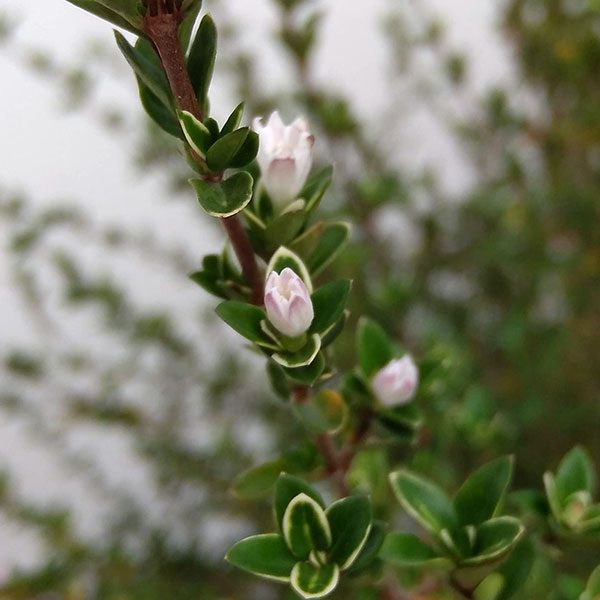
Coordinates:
(286, 489)
(305, 526)
(407, 550)
(495, 539)
(424, 501)
(286, 258)
(550, 486)
(328, 247)
(592, 591)
(590, 522)
(575, 473)
(227, 198)
(265, 555)
(246, 320)
(350, 520)
(196, 133)
(301, 358)
(482, 494)
(329, 302)
(310, 581)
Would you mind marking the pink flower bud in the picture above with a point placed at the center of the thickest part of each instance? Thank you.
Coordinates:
(396, 383)
(288, 303)
(284, 156)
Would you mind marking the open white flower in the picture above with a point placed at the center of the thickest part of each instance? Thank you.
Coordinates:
(288, 304)
(396, 383)
(284, 156)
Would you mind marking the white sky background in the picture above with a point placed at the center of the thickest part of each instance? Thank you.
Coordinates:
(52, 155)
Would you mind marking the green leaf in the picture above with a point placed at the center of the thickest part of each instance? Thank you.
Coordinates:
(459, 543)
(575, 473)
(489, 588)
(128, 9)
(592, 591)
(551, 494)
(234, 119)
(247, 152)
(424, 501)
(255, 482)
(245, 319)
(201, 59)
(328, 247)
(162, 115)
(516, 568)
(286, 225)
(310, 374)
(305, 526)
(482, 494)
(576, 507)
(213, 127)
(315, 188)
(368, 554)
(406, 550)
(301, 459)
(227, 198)
(286, 489)
(314, 582)
(147, 70)
(325, 412)
(265, 555)
(196, 133)
(186, 28)
(286, 258)
(334, 331)
(495, 539)
(402, 420)
(92, 6)
(278, 380)
(329, 302)
(590, 521)
(307, 242)
(222, 152)
(350, 521)
(301, 358)
(209, 283)
(375, 349)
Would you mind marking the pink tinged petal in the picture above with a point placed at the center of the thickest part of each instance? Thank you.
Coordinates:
(257, 125)
(396, 383)
(272, 281)
(301, 124)
(276, 125)
(303, 157)
(281, 182)
(288, 276)
(301, 315)
(284, 157)
(287, 302)
(274, 305)
(276, 312)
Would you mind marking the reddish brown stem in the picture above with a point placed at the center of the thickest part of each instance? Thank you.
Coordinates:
(245, 253)
(160, 23)
(333, 464)
(162, 30)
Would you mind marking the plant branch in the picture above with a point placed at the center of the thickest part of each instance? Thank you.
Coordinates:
(160, 24)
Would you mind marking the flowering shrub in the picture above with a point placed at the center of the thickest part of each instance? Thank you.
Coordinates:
(257, 181)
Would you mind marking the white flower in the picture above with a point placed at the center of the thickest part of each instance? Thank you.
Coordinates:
(284, 156)
(397, 382)
(288, 303)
